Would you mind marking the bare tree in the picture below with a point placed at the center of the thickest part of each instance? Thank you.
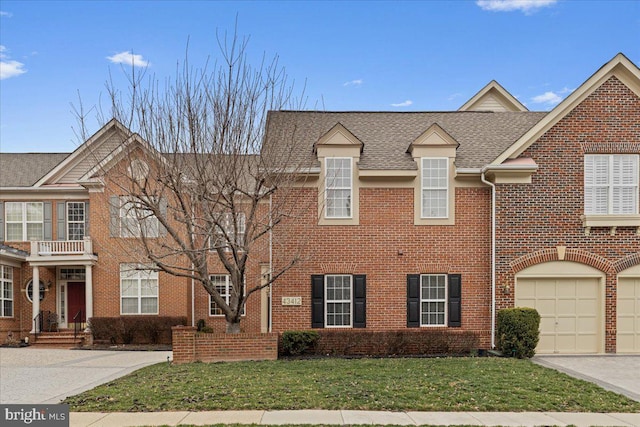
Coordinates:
(198, 187)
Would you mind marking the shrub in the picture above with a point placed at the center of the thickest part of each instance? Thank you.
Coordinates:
(134, 329)
(201, 324)
(295, 343)
(517, 332)
(391, 343)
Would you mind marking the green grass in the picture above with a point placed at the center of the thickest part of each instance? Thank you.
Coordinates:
(447, 384)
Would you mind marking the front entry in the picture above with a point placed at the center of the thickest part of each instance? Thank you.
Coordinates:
(77, 302)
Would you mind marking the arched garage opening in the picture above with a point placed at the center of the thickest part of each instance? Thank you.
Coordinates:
(570, 299)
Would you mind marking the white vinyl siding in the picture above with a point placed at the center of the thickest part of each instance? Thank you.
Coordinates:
(435, 187)
(138, 289)
(338, 301)
(6, 291)
(222, 284)
(24, 221)
(75, 220)
(433, 299)
(135, 220)
(338, 187)
(611, 184)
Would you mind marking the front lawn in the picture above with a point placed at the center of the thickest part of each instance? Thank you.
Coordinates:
(444, 384)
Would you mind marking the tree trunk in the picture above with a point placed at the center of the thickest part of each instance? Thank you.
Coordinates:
(233, 327)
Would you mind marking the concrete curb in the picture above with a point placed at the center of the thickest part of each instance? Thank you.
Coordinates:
(528, 419)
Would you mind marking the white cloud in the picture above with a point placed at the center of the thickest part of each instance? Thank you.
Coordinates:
(549, 98)
(128, 58)
(357, 82)
(454, 96)
(8, 67)
(7, 14)
(526, 6)
(403, 104)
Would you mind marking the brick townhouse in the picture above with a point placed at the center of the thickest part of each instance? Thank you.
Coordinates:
(405, 220)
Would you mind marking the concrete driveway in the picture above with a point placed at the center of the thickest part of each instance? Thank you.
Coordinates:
(34, 375)
(618, 373)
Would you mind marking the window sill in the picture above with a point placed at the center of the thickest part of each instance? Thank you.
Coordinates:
(610, 221)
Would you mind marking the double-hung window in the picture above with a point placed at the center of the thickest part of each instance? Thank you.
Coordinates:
(339, 294)
(433, 299)
(6, 291)
(138, 289)
(611, 184)
(24, 221)
(231, 230)
(75, 220)
(435, 187)
(136, 220)
(222, 284)
(338, 187)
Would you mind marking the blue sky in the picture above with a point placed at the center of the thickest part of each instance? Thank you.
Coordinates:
(391, 56)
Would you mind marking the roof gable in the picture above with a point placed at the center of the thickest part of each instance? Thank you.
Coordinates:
(493, 97)
(620, 67)
(339, 135)
(435, 136)
(87, 155)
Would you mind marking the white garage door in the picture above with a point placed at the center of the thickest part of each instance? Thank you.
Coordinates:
(570, 305)
(628, 324)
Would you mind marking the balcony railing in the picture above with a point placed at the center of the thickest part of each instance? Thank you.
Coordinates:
(61, 247)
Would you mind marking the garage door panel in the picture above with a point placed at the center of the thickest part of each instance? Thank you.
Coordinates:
(570, 309)
(628, 319)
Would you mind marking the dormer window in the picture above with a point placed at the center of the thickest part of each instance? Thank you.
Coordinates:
(338, 187)
(435, 187)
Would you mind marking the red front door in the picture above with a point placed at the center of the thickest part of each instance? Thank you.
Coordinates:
(75, 293)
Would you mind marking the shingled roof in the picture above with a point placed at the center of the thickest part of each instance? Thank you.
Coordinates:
(387, 135)
(25, 169)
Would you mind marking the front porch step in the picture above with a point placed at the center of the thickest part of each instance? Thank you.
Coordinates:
(63, 339)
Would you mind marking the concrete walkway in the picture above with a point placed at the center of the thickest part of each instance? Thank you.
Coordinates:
(120, 419)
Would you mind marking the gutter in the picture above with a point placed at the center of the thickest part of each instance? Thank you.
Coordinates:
(493, 254)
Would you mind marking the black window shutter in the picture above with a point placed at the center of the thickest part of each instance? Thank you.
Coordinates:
(413, 300)
(359, 301)
(61, 228)
(48, 229)
(455, 298)
(114, 216)
(317, 301)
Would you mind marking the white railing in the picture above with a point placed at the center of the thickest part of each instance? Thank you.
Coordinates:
(61, 247)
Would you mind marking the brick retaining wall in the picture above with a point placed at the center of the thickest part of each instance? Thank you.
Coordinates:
(192, 346)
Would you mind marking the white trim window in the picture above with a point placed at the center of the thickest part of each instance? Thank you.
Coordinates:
(338, 301)
(610, 184)
(226, 233)
(138, 289)
(75, 220)
(24, 221)
(435, 187)
(338, 187)
(6, 291)
(136, 220)
(433, 300)
(222, 284)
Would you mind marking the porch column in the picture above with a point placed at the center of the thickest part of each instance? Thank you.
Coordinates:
(88, 291)
(35, 298)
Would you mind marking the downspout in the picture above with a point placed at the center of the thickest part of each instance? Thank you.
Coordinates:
(493, 256)
(269, 320)
(193, 299)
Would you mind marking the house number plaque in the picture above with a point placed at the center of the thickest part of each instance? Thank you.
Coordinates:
(291, 300)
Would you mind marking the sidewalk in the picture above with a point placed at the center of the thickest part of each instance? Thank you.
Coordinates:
(579, 419)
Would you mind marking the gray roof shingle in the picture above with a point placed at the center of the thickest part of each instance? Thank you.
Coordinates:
(387, 135)
(25, 169)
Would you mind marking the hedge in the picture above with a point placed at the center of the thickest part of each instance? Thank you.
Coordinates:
(134, 329)
(385, 343)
